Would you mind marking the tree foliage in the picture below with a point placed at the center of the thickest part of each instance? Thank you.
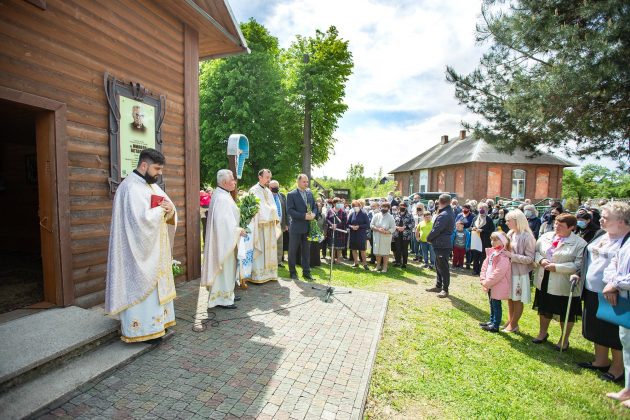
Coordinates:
(258, 95)
(245, 94)
(321, 81)
(556, 76)
(595, 181)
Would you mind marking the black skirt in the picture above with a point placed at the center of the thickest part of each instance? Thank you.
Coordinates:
(594, 329)
(552, 306)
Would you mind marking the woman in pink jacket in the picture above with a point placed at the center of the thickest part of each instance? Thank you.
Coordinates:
(496, 277)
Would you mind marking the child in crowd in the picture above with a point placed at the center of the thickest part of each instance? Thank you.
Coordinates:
(461, 244)
(496, 275)
(422, 231)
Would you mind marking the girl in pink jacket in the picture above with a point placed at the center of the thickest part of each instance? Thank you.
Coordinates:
(496, 275)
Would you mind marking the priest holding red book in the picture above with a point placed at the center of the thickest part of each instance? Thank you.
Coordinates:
(140, 285)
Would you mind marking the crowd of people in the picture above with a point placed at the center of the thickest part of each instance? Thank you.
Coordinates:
(578, 262)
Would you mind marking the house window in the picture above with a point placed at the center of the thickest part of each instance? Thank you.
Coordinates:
(494, 182)
(441, 181)
(459, 182)
(542, 183)
(411, 186)
(424, 180)
(518, 184)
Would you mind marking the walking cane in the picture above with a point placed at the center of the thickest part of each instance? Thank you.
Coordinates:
(574, 281)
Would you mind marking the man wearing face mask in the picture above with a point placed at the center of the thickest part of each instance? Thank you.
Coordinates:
(281, 205)
(139, 284)
(532, 219)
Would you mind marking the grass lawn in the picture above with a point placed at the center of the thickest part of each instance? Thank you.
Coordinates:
(434, 361)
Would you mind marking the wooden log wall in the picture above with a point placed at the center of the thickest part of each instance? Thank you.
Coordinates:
(61, 53)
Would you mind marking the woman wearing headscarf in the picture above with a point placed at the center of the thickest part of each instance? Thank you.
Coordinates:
(586, 229)
(336, 220)
(483, 226)
(402, 235)
(558, 255)
(358, 224)
(532, 219)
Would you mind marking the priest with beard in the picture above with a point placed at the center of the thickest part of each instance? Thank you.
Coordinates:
(218, 271)
(265, 230)
(139, 284)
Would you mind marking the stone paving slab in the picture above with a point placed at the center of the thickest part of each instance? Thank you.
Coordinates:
(287, 355)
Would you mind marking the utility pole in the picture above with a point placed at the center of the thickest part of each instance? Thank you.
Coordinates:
(306, 144)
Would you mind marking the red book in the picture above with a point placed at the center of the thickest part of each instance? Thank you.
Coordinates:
(156, 200)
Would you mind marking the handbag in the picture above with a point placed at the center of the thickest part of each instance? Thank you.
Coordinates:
(618, 314)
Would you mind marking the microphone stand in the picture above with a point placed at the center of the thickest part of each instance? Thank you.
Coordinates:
(328, 289)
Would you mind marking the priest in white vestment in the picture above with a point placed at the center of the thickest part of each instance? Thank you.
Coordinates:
(140, 285)
(266, 229)
(218, 271)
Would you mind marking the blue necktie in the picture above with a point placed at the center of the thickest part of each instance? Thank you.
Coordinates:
(278, 206)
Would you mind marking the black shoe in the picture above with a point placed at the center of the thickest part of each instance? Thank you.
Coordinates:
(307, 276)
(558, 348)
(467, 266)
(237, 298)
(610, 378)
(490, 328)
(539, 341)
(396, 264)
(589, 365)
(403, 266)
(294, 277)
(366, 267)
(227, 306)
(485, 324)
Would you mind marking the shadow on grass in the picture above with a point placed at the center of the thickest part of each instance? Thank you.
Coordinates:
(544, 352)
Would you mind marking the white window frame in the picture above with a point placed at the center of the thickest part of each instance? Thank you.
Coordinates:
(518, 184)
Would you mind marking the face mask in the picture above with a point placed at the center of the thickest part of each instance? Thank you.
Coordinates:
(338, 206)
(384, 211)
(466, 211)
(402, 209)
(529, 213)
(482, 211)
(275, 190)
(581, 224)
(357, 209)
(552, 217)
(498, 247)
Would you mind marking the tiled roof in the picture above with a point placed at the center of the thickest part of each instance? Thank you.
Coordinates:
(471, 149)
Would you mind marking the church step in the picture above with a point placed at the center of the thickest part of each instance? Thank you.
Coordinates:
(33, 344)
(66, 380)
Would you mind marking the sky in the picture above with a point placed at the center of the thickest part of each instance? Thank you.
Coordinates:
(399, 103)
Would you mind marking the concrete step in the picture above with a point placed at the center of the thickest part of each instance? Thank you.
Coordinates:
(66, 380)
(35, 343)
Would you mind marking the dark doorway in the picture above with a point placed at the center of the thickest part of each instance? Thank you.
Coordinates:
(21, 273)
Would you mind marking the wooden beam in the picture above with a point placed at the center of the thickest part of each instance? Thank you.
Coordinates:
(191, 145)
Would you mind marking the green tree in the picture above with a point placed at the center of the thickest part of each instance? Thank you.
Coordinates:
(320, 82)
(574, 186)
(595, 181)
(556, 76)
(245, 94)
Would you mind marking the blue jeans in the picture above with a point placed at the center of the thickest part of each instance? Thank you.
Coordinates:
(415, 246)
(427, 252)
(496, 312)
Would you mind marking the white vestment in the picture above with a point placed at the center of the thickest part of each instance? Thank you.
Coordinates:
(266, 230)
(218, 272)
(140, 284)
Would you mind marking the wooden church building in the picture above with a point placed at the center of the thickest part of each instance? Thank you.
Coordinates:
(84, 86)
(473, 169)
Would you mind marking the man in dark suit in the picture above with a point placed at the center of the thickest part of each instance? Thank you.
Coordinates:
(281, 205)
(297, 201)
(440, 238)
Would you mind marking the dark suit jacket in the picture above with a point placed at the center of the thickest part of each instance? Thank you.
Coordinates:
(296, 208)
(284, 220)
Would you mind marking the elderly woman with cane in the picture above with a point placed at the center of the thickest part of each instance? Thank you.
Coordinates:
(558, 255)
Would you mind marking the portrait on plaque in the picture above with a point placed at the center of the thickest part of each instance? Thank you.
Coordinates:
(137, 132)
(135, 120)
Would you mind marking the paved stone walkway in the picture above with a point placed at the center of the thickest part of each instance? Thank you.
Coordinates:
(288, 356)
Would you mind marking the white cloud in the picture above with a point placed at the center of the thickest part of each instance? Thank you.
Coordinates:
(400, 51)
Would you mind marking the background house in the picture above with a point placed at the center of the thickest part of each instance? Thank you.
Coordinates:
(473, 169)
